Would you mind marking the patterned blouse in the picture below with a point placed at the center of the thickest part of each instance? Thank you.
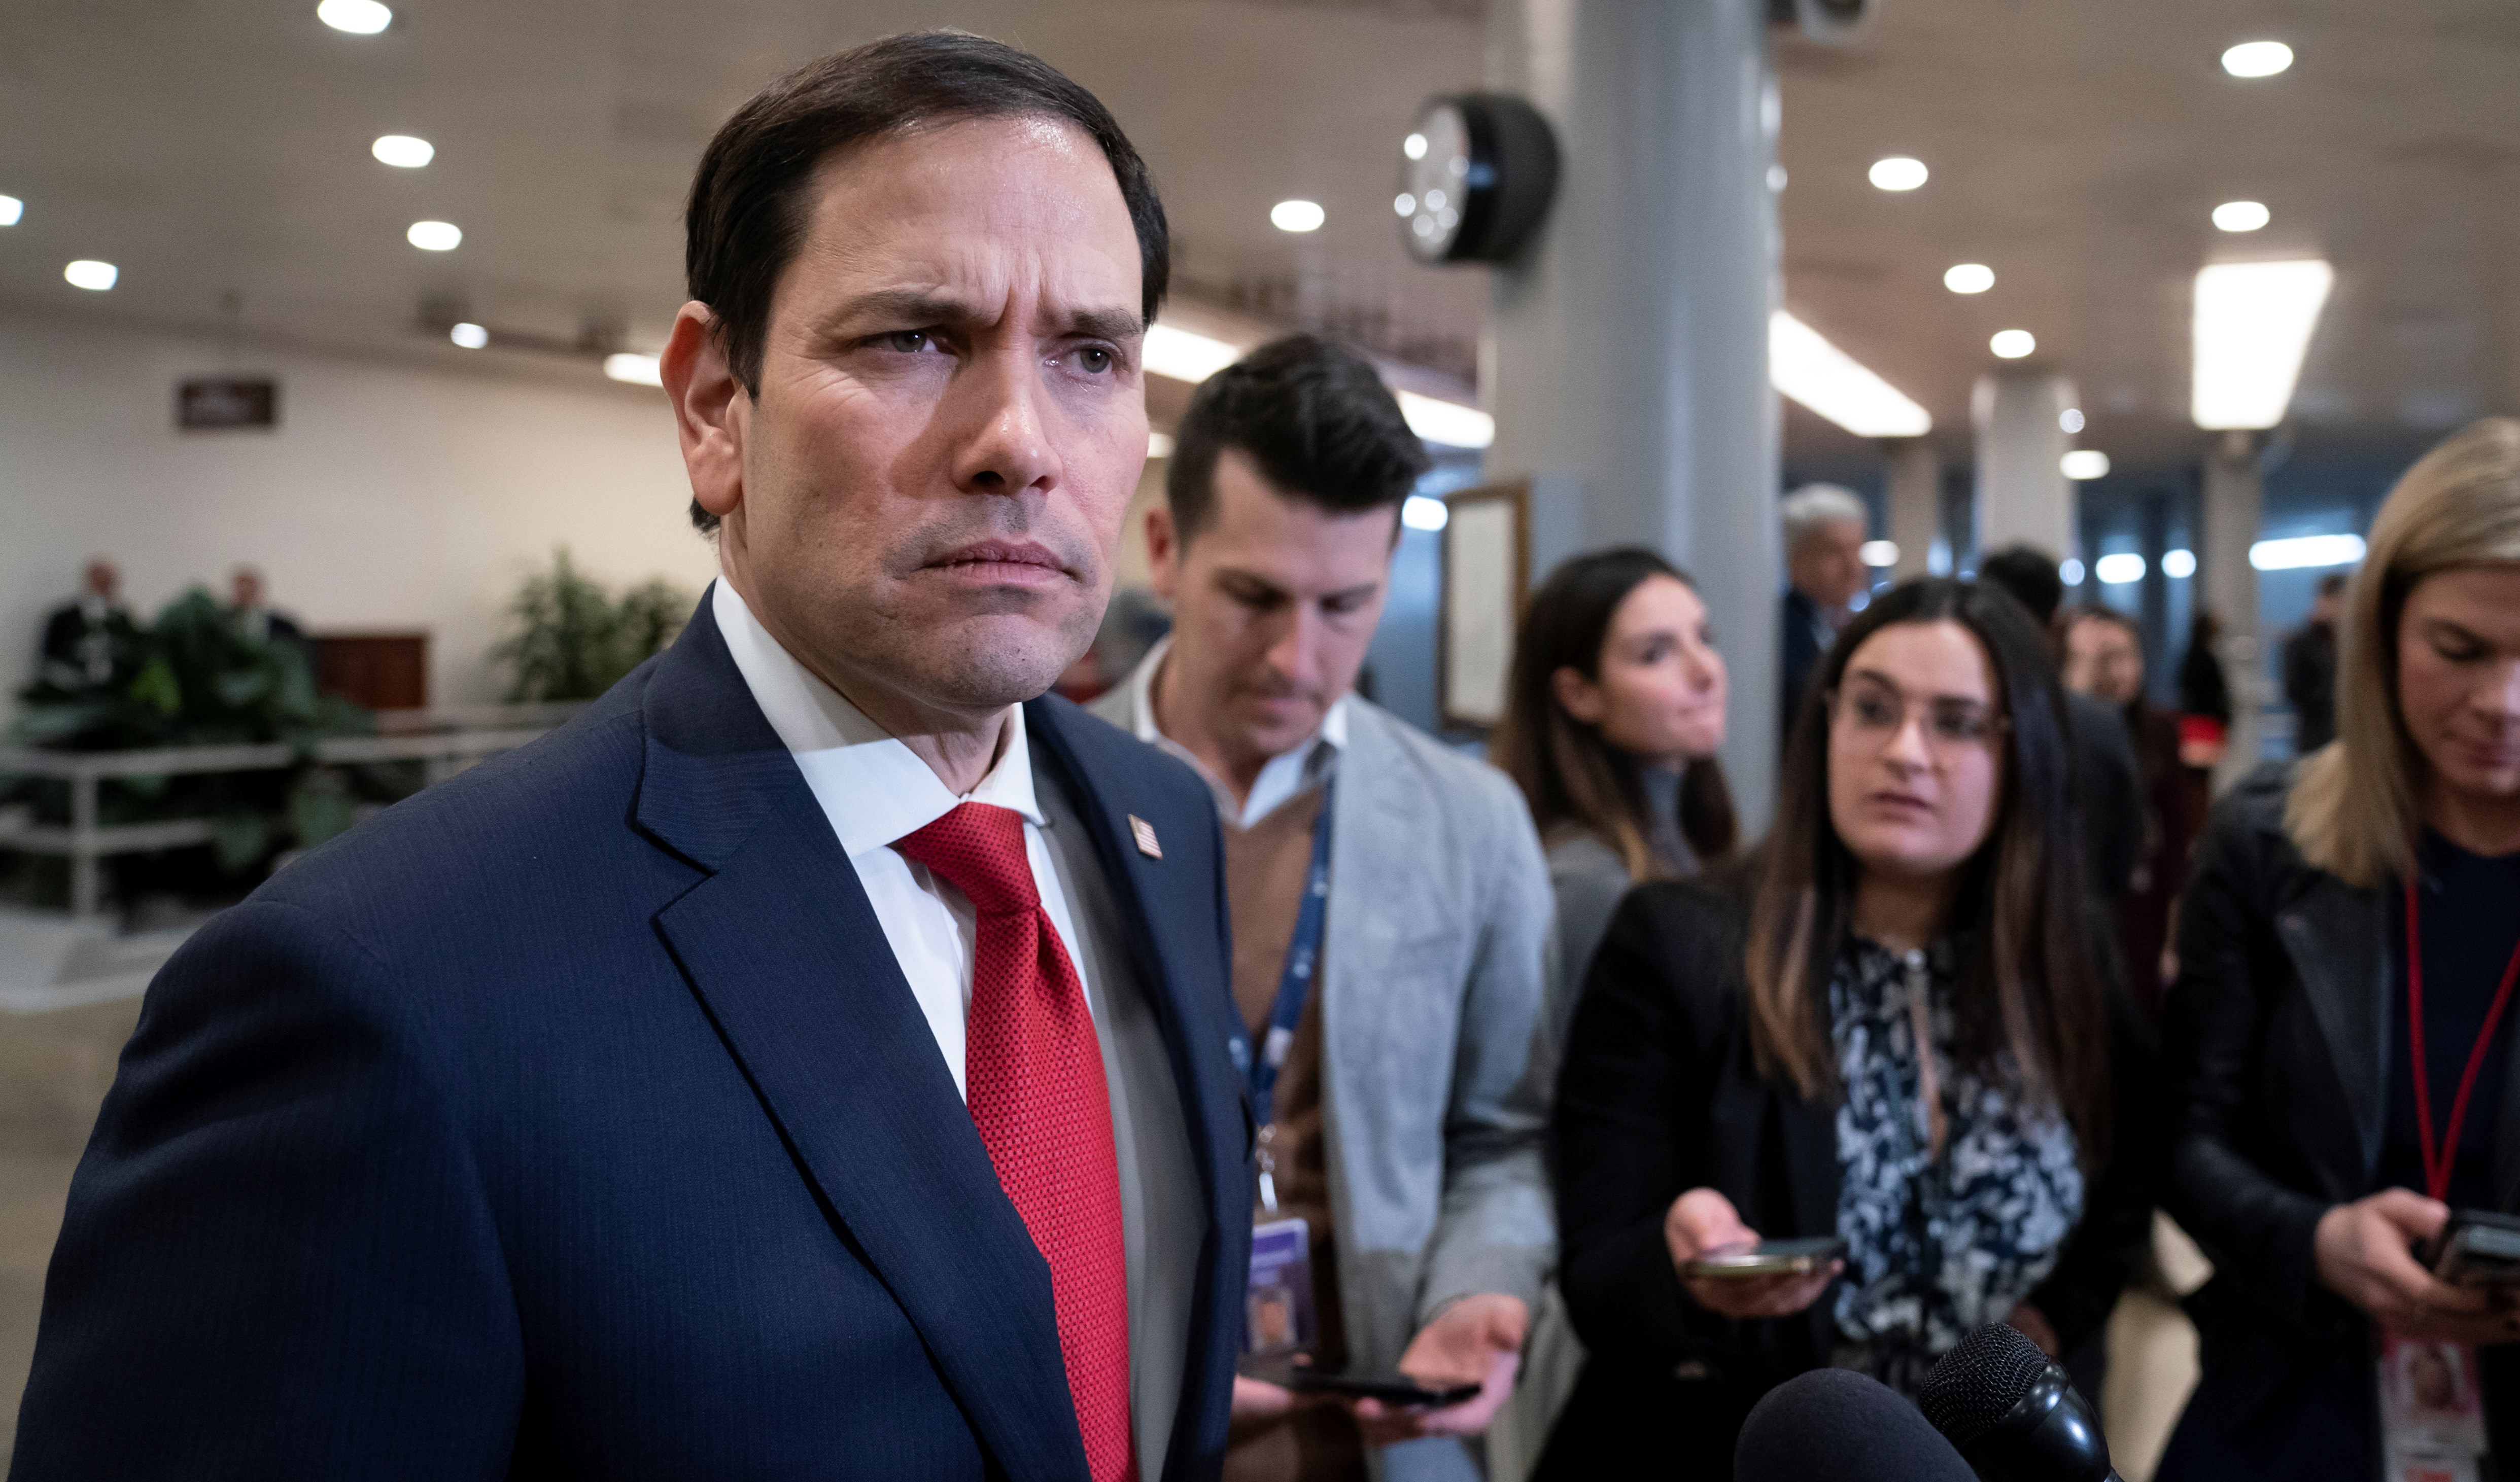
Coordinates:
(1935, 1246)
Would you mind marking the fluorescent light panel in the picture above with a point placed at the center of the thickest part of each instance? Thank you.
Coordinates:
(638, 369)
(1879, 553)
(2252, 328)
(1447, 421)
(11, 208)
(2300, 551)
(1805, 366)
(1184, 355)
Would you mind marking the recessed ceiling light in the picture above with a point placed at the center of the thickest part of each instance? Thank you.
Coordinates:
(2178, 565)
(638, 369)
(1969, 278)
(1419, 511)
(2257, 59)
(1297, 216)
(470, 336)
(1879, 553)
(1415, 146)
(1897, 173)
(2242, 215)
(89, 274)
(2070, 571)
(11, 208)
(2070, 420)
(435, 236)
(2013, 345)
(360, 17)
(1404, 204)
(2085, 462)
(403, 152)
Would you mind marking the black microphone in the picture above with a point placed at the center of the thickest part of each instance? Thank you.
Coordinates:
(1837, 1426)
(2013, 1413)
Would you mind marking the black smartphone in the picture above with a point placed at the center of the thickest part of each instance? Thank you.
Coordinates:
(1391, 1388)
(2477, 1248)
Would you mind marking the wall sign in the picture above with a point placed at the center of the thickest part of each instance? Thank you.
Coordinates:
(227, 403)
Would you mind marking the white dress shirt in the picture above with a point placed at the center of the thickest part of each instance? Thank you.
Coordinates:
(875, 790)
(1287, 774)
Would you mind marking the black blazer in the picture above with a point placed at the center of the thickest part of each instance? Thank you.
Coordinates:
(2277, 1044)
(573, 1119)
(1658, 1095)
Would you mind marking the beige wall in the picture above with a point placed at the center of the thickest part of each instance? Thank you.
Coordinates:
(392, 495)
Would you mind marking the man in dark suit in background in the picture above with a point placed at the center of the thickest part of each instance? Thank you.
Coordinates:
(813, 1061)
(83, 636)
(1825, 569)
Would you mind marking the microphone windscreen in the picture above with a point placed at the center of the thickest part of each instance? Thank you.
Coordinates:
(1980, 1380)
(1837, 1426)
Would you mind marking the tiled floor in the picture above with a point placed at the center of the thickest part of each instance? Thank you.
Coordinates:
(55, 1068)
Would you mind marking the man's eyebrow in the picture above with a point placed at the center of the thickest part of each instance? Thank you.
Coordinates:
(1106, 324)
(906, 306)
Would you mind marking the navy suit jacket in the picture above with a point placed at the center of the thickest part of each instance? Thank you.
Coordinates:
(574, 1119)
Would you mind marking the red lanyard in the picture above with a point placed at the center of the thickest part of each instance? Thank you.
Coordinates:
(2437, 1157)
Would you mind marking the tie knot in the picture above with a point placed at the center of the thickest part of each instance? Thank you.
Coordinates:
(979, 849)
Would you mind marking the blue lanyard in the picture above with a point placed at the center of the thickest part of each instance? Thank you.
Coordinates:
(1303, 958)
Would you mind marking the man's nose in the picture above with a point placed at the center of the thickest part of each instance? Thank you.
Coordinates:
(1009, 449)
(1293, 650)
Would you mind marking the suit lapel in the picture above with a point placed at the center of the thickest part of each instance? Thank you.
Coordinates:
(2337, 937)
(1168, 906)
(784, 953)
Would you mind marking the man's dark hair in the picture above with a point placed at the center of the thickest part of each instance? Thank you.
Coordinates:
(2124, 621)
(749, 205)
(2029, 575)
(1317, 419)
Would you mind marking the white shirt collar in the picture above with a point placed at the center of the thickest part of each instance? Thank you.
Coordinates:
(1290, 773)
(875, 789)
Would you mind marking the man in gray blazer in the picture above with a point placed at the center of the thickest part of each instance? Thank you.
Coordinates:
(1404, 1083)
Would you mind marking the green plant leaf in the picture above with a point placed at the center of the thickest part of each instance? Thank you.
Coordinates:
(156, 687)
(240, 838)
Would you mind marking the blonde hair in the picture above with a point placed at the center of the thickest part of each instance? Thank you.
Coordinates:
(2353, 803)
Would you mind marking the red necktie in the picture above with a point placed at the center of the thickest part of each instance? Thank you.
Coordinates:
(1033, 1074)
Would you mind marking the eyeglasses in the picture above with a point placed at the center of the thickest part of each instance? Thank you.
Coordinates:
(1879, 711)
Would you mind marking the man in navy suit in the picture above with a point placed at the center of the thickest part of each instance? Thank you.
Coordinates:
(812, 1061)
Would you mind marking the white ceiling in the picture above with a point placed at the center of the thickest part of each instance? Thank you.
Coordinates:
(216, 150)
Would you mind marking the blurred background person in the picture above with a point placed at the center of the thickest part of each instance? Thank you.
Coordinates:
(81, 634)
(2104, 660)
(1824, 570)
(1615, 711)
(2310, 668)
(1891, 1028)
(249, 603)
(2344, 912)
(1400, 1064)
(2204, 698)
(2108, 781)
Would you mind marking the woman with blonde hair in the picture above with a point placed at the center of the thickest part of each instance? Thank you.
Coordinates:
(2340, 1045)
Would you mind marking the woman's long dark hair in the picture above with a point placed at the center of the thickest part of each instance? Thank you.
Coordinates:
(2028, 983)
(1569, 771)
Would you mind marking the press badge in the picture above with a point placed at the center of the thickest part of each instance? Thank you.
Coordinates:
(2432, 1411)
(1278, 1309)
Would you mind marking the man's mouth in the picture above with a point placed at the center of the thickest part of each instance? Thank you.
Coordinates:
(1000, 560)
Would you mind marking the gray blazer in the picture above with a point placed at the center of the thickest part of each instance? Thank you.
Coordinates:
(1438, 1055)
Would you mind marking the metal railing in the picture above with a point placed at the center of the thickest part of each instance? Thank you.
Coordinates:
(442, 752)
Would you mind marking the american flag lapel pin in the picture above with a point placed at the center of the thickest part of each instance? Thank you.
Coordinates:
(1144, 833)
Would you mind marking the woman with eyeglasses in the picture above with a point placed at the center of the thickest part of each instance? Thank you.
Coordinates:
(1892, 1028)
(2343, 1069)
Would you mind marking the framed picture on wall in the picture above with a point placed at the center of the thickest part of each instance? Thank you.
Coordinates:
(1487, 559)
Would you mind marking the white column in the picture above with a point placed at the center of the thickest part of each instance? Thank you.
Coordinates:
(2234, 493)
(1628, 360)
(1916, 503)
(2023, 496)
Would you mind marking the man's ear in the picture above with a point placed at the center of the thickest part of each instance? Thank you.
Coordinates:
(1163, 551)
(711, 409)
